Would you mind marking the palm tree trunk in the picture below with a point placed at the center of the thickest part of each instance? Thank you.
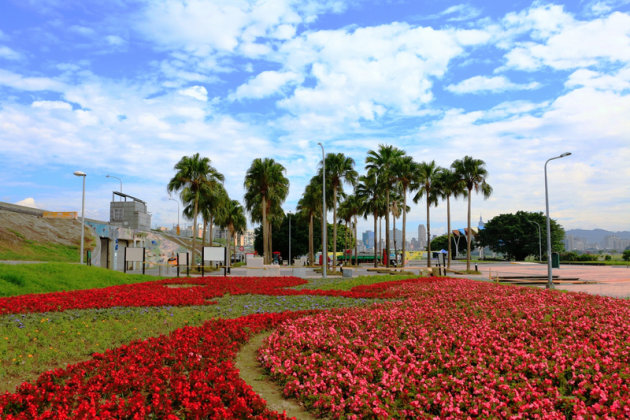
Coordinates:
(404, 227)
(356, 245)
(269, 236)
(375, 242)
(310, 240)
(194, 229)
(468, 234)
(380, 238)
(265, 233)
(334, 260)
(387, 228)
(394, 233)
(203, 234)
(448, 227)
(210, 235)
(428, 233)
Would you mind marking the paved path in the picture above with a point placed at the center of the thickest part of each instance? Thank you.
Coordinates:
(606, 280)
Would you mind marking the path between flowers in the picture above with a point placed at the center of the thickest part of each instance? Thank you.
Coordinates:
(254, 375)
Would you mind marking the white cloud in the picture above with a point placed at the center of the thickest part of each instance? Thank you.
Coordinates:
(28, 202)
(198, 92)
(52, 105)
(17, 81)
(265, 84)
(494, 84)
(115, 40)
(569, 44)
(618, 81)
(9, 54)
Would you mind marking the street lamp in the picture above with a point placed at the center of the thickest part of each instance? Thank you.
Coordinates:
(120, 180)
(324, 227)
(539, 240)
(289, 239)
(177, 201)
(82, 174)
(549, 269)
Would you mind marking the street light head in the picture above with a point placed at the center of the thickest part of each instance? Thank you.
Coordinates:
(565, 154)
(79, 173)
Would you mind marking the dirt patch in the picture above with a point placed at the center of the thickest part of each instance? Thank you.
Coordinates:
(254, 375)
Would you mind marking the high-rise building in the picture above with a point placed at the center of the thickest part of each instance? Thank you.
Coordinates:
(368, 239)
(422, 236)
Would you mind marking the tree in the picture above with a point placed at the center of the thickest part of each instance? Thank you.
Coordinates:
(406, 177)
(626, 255)
(382, 163)
(428, 175)
(472, 173)
(194, 177)
(348, 211)
(266, 188)
(369, 192)
(309, 206)
(233, 219)
(339, 168)
(513, 234)
(450, 186)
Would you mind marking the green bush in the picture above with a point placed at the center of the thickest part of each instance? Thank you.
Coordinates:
(626, 255)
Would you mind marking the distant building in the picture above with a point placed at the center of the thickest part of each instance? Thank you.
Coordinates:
(368, 239)
(129, 212)
(422, 236)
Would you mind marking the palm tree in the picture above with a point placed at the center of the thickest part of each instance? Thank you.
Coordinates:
(406, 177)
(369, 192)
(266, 188)
(382, 163)
(339, 168)
(348, 211)
(472, 173)
(310, 205)
(195, 177)
(233, 219)
(450, 186)
(211, 202)
(429, 188)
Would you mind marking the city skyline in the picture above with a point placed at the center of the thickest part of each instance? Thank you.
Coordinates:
(127, 89)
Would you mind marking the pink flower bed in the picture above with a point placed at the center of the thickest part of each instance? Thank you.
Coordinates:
(188, 374)
(460, 348)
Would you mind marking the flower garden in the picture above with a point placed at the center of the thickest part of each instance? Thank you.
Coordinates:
(428, 347)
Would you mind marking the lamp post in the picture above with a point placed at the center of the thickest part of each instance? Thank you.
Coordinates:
(539, 239)
(177, 201)
(324, 227)
(549, 268)
(120, 180)
(82, 174)
(289, 239)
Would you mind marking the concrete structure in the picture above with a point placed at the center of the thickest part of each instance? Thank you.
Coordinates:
(130, 212)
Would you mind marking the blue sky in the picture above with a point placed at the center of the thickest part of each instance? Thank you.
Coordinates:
(127, 88)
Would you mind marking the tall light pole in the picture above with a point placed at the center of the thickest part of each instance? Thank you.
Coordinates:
(549, 268)
(82, 174)
(324, 225)
(289, 239)
(120, 180)
(177, 201)
(539, 239)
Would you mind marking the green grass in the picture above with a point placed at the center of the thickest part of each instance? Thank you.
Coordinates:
(22, 279)
(347, 283)
(39, 251)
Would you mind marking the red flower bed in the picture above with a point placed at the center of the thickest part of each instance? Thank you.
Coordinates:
(157, 293)
(461, 348)
(188, 374)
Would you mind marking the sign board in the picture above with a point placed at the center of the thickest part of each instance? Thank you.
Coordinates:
(213, 253)
(134, 255)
